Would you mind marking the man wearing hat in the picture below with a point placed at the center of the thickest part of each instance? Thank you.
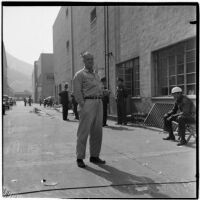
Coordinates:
(105, 100)
(88, 94)
(183, 112)
(64, 99)
(121, 96)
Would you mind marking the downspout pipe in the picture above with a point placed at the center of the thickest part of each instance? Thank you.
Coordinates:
(108, 53)
(72, 44)
(105, 43)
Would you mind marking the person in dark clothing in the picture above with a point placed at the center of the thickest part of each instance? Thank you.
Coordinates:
(40, 100)
(64, 96)
(105, 100)
(25, 101)
(185, 116)
(29, 100)
(75, 104)
(121, 96)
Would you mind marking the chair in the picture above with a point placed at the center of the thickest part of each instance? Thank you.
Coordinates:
(190, 130)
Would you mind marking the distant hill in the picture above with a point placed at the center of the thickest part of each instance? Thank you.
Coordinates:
(18, 81)
(19, 74)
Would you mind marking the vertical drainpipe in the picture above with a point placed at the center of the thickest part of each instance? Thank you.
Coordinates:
(72, 44)
(108, 54)
(105, 43)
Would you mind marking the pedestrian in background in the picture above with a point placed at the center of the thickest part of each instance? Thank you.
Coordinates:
(121, 96)
(88, 94)
(75, 104)
(29, 100)
(105, 100)
(185, 116)
(25, 101)
(40, 100)
(64, 99)
(45, 102)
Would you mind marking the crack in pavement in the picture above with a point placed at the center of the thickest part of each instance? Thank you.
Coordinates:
(102, 186)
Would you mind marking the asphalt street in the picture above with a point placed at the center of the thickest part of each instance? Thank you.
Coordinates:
(39, 160)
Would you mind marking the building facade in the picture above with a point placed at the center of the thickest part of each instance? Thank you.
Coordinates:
(62, 49)
(153, 48)
(43, 77)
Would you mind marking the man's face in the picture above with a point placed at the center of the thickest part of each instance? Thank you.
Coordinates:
(104, 83)
(176, 95)
(120, 83)
(89, 62)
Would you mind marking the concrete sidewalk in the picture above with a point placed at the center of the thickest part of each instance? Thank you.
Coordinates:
(139, 164)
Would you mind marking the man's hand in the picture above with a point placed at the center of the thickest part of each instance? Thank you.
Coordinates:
(170, 118)
(80, 106)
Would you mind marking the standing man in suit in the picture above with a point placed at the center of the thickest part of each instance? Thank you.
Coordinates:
(64, 97)
(121, 96)
(105, 100)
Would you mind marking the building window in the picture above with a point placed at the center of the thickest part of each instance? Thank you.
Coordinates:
(129, 71)
(175, 66)
(93, 15)
(50, 77)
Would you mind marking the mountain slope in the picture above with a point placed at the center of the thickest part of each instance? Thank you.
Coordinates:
(19, 65)
(19, 74)
(18, 81)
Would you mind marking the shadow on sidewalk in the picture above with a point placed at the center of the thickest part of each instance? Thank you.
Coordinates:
(128, 183)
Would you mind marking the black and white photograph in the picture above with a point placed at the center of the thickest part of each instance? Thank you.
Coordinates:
(100, 100)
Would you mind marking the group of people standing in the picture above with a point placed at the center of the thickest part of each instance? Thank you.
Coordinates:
(28, 100)
(91, 97)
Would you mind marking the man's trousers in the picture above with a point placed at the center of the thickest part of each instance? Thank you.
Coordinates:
(121, 111)
(105, 105)
(65, 111)
(90, 123)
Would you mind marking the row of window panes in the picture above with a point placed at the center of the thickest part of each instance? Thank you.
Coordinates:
(166, 65)
(129, 71)
(190, 89)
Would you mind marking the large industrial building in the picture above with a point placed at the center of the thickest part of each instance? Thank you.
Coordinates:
(153, 48)
(43, 77)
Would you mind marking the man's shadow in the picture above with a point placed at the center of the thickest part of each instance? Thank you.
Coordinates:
(128, 183)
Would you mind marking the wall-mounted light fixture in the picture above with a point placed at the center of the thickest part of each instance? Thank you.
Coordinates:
(109, 54)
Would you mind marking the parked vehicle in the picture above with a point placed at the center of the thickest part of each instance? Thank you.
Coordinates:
(10, 101)
(5, 104)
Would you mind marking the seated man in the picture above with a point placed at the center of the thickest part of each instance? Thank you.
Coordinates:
(185, 116)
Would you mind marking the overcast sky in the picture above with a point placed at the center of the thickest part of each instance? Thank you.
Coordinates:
(28, 31)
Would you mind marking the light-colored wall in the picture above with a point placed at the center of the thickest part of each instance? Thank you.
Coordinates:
(47, 68)
(62, 57)
(43, 67)
(89, 37)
